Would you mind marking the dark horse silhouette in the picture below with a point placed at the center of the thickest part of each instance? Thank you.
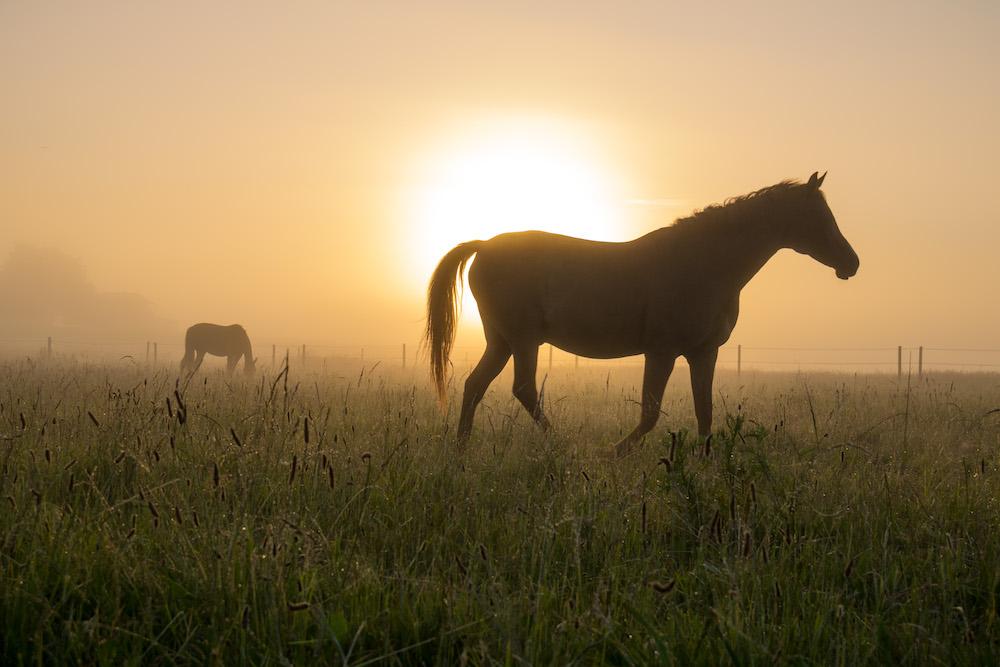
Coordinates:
(230, 341)
(673, 292)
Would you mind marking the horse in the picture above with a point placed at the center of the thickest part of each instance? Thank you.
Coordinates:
(672, 292)
(230, 341)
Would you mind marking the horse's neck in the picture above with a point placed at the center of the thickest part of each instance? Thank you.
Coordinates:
(741, 247)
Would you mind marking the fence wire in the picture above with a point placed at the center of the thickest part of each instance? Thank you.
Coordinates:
(908, 359)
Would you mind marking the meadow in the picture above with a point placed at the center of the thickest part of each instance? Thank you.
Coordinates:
(323, 515)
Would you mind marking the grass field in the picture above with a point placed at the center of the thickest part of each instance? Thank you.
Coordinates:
(327, 517)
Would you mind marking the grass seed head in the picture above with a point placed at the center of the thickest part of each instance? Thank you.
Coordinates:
(663, 586)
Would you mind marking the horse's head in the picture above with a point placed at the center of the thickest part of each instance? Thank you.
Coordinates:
(815, 232)
(250, 367)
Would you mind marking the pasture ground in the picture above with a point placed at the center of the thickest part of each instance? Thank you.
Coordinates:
(326, 517)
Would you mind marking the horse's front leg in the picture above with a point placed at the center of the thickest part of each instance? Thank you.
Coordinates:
(702, 373)
(654, 381)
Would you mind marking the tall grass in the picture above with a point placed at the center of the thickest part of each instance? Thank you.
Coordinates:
(327, 517)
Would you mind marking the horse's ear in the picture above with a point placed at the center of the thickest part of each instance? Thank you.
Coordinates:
(816, 180)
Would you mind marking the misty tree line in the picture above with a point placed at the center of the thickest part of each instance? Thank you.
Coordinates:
(44, 290)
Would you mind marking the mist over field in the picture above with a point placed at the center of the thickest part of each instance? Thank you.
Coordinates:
(301, 173)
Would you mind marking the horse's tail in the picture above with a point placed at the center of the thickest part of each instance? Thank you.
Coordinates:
(442, 310)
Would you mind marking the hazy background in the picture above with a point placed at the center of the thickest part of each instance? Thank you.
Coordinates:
(167, 163)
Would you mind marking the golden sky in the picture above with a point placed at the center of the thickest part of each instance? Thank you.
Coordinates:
(277, 164)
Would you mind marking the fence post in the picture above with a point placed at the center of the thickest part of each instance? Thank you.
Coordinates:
(48, 349)
(899, 361)
(739, 360)
(576, 361)
(550, 356)
(303, 354)
(404, 355)
(155, 350)
(920, 361)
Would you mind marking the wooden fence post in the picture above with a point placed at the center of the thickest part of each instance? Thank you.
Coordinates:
(920, 361)
(550, 356)
(156, 347)
(899, 361)
(303, 354)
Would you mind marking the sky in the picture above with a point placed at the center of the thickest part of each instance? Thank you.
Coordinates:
(282, 165)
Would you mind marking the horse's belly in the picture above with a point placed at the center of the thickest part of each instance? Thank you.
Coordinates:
(606, 333)
(595, 349)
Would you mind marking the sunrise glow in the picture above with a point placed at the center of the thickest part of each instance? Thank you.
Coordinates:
(510, 177)
(513, 179)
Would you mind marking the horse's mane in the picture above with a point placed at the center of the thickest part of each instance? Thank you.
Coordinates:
(725, 210)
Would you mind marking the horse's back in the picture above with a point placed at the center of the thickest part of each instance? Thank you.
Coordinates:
(529, 254)
(217, 339)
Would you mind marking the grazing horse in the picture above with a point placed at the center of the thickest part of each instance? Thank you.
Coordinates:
(230, 341)
(673, 292)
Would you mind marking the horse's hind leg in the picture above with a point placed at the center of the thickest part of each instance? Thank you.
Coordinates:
(525, 388)
(492, 362)
(654, 381)
(702, 374)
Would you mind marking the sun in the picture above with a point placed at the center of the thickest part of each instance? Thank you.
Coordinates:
(510, 177)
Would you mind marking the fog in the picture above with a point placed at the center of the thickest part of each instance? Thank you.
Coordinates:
(164, 165)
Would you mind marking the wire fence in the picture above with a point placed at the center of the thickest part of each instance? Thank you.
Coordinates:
(899, 359)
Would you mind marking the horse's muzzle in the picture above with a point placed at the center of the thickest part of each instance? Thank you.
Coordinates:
(849, 268)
